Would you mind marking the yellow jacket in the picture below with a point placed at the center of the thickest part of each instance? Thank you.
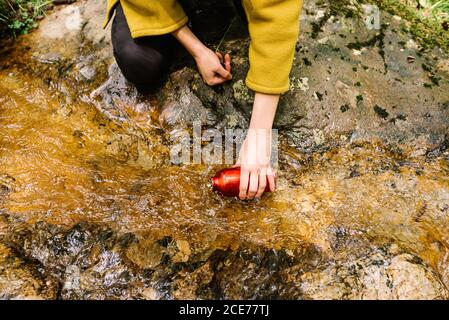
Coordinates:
(273, 28)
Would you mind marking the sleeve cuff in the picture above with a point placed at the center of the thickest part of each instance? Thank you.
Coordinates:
(159, 31)
(264, 89)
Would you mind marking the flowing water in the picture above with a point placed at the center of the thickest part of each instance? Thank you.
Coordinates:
(62, 162)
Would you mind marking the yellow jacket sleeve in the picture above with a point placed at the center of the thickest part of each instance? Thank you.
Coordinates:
(150, 17)
(273, 29)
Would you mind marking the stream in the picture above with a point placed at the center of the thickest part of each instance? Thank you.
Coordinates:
(92, 208)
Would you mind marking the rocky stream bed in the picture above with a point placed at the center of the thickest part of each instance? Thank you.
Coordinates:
(92, 208)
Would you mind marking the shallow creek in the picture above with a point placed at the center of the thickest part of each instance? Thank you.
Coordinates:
(63, 163)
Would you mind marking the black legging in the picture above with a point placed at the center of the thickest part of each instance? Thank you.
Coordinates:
(144, 61)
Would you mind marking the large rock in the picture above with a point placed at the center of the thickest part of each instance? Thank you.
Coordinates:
(383, 274)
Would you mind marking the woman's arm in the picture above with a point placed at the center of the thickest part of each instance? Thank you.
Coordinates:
(208, 62)
(255, 153)
(273, 28)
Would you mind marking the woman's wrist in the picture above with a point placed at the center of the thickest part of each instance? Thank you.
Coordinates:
(199, 50)
(264, 110)
(188, 39)
(262, 126)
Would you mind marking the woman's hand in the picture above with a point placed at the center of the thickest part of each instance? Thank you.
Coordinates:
(211, 68)
(214, 68)
(254, 161)
(255, 153)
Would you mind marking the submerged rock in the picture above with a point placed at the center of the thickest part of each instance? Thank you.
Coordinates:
(88, 261)
(383, 274)
(20, 279)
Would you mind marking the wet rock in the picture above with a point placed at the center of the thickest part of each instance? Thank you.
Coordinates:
(73, 29)
(256, 273)
(184, 251)
(146, 254)
(6, 184)
(21, 280)
(379, 275)
(180, 106)
(81, 258)
(193, 285)
(88, 261)
(48, 58)
(379, 73)
(86, 68)
(112, 96)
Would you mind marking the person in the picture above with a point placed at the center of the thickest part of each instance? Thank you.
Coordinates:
(143, 37)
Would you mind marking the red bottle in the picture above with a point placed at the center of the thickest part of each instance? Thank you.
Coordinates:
(227, 182)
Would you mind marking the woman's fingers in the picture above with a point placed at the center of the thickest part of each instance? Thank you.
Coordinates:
(262, 183)
(214, 81)
(244, 179)
(253, 184)
(224, 67)
(216, 78)
(227, 62)
(222, 72)
(271, 177)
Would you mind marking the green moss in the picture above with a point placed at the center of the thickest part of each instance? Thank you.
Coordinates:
(426, 67)
(337, 8)
(435, 80)
(428, 32)
(317, 26)
(377, 40)
(307, 62)
(381, 112)
(344, 108)
(21, 16)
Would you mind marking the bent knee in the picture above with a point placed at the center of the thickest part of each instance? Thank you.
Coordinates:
(141, 66)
